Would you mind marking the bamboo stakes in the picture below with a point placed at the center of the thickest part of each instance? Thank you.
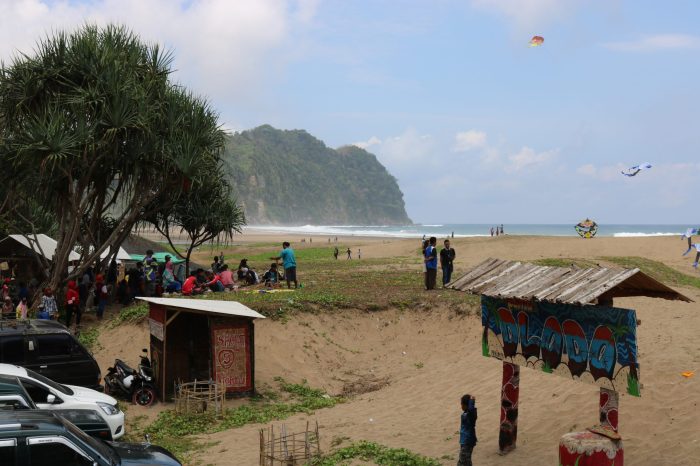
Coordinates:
(288, 449)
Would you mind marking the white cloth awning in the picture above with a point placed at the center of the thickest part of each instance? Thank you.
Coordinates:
(122, 255)
(226, 308)
(42, 244)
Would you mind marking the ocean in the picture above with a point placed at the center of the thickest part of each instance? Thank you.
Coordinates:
(462, 230)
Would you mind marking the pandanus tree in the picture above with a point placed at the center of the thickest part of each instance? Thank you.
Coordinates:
(204, 212)
(93, 130)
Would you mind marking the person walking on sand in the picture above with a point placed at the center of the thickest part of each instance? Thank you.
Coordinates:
(349, 254)
(289, 263)
(491, 232)
(467, 430)
(447, 257)
(431, 262)
(335, 253)
(501, 228)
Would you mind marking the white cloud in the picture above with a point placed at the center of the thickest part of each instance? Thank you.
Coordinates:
(529, 14)
(527, 157)
(373, 141)
(468, 140)
(587, 170)
(656, 42)
(223, 49)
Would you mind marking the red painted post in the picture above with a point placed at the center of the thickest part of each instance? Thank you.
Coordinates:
(510, 390)
(609, 405)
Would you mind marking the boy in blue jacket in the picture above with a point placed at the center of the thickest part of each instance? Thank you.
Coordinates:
(467, 430)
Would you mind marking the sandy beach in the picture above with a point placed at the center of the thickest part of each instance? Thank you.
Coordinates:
(408, 368)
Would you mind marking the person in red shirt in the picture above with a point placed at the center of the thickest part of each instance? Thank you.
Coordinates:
(73, 304)
(227, 278)
(190, 286)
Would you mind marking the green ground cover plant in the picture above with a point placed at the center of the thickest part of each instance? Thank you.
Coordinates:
(655, 269)
(173, 431)
(375, 454)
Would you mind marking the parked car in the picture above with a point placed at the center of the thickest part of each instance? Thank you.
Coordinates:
(48, 348)
(42, 438)
(47, 394)
(13, 396)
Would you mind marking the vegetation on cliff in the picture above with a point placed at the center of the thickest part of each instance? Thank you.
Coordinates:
(290, 177)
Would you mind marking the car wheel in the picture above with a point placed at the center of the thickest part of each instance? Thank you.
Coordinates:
(144, 396)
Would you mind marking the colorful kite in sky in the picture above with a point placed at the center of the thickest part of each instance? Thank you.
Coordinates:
(586, 228)
(632, 171)
(536, 41)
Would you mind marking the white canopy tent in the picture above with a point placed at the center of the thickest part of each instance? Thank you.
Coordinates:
(42, 244)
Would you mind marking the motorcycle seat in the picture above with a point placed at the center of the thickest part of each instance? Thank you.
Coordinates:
(124, 366)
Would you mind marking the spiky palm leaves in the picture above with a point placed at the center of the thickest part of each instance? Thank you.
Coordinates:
(92, 128)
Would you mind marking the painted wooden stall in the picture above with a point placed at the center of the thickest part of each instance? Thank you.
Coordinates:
(561, 320)
(200, 339)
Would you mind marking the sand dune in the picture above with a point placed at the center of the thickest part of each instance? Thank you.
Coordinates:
(416, 403)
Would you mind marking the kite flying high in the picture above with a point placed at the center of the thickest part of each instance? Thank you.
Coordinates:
(536, 41)
(632, 171)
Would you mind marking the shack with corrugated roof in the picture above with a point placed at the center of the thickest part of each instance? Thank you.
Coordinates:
(561, 320)
(202, 339)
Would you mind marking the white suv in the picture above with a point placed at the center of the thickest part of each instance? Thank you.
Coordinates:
(48, 394)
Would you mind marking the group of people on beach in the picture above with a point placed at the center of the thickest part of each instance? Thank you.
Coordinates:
(430, 262)
(219, 278)
(336, 253)
(149, 278)
(497, 230)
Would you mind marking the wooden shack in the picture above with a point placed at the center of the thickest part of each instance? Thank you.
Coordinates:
(561, 320)
(201, 339)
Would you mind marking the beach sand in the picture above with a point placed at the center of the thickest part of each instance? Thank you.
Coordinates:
(416, 364)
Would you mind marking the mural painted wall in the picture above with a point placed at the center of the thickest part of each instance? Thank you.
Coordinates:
(593, 344)
(231, 354)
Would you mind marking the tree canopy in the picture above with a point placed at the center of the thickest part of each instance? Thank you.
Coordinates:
(93, 130)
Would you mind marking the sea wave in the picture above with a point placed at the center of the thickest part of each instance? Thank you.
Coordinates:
(366, 231)
(626, 234)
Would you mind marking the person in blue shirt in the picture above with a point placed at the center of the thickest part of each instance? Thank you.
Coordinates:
(431, 263)
(467, 430)
(289, 263)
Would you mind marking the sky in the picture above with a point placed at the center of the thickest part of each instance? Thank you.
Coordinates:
(476, 126)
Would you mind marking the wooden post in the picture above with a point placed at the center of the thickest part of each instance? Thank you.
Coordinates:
(510, 389)
(609, 405)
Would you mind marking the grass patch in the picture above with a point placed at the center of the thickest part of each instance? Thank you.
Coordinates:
(565, 262)
(375, 453)
(172, 430)
(89, 338)
(658, 270)
(130, 315)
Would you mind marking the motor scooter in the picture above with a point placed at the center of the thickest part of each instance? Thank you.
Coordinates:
(135, 385)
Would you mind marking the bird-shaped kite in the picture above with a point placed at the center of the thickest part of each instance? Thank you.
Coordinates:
(632, 171)
(536, 41)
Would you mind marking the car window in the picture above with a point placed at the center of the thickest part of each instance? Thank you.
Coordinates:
(8, 451)
(12, 349)
(36, 392)
(46, 381)
(12, 403)
(102, 448)
(54, 346)
(51, 452)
